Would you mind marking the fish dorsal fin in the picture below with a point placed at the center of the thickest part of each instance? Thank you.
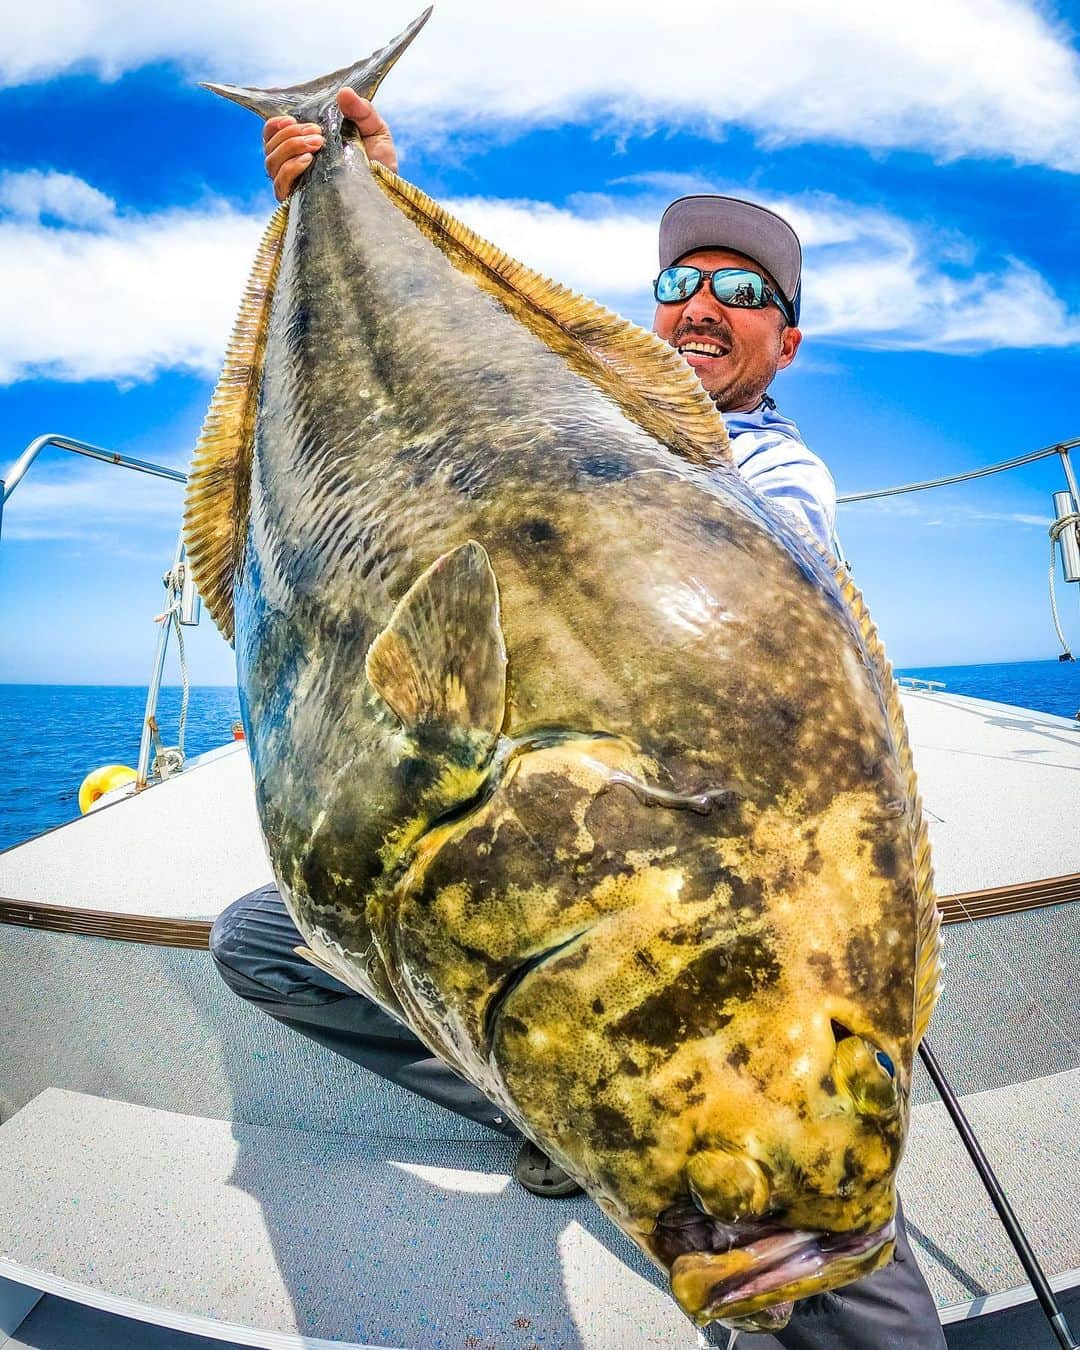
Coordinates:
(649, 381)
(928, 916)
(440, 663)
(215, 506)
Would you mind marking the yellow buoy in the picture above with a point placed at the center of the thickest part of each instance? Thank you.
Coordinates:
(96, 784)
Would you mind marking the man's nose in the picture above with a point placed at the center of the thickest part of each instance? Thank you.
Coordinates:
(703, 306)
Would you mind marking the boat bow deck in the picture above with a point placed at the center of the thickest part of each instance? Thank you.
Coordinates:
(186, 1155)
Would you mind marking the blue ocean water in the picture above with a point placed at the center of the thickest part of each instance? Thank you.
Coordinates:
(1047, 686)
(51, 736)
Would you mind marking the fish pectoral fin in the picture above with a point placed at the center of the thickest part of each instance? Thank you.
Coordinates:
(440, 663)
(310, 956)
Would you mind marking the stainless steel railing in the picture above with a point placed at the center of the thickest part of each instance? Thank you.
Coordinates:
(11, 481)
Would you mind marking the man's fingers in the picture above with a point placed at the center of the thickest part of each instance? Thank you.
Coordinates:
(293, 148)
(362, 112)
(286, 178)
(378, 142)
(289, 145)
(274, 124)
(292, 130)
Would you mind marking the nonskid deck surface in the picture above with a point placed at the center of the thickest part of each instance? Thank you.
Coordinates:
(266, 1234)
(251, 1104)
(57, 1324)
(997, 782)
(1000, 785)
(183, 849)
(273, 1236)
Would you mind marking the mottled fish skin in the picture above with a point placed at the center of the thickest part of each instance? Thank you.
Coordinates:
(658, 994)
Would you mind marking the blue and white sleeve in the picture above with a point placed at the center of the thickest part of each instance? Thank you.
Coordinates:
(791, 477)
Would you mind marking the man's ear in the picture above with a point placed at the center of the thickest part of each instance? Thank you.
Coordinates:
(789, 345)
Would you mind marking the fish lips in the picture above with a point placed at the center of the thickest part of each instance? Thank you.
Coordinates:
(769, 1272)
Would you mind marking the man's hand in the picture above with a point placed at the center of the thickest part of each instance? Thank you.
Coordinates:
(290, 145)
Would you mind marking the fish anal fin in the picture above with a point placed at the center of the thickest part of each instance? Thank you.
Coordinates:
(927, 913)
(216, 502)
(648, 379)
(440, 663)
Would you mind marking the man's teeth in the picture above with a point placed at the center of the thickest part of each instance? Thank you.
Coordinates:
(702, 349)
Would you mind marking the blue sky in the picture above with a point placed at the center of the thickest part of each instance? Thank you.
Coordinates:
(925, 155)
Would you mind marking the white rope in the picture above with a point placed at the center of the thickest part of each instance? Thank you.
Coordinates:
(185, 684)
(172, 759)
(1057, 529)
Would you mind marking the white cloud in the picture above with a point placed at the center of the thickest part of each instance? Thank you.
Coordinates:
(950, 514)
(95, 504)
(954, 77)
(120, 301)
(870, 278)
(31, 194)
(123, 297)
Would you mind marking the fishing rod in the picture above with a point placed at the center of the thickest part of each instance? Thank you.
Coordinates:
(1017, 1237)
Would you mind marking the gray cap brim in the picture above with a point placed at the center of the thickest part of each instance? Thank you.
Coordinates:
(705, 221)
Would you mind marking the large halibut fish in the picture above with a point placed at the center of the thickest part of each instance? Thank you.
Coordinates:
(567, 749)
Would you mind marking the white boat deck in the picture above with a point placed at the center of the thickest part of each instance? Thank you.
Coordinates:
(185, 1160)
(293, 1238)
(185, 848)
(1001, 786)
(190, 846)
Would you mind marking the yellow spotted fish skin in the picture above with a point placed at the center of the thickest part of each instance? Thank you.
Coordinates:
(568, 750)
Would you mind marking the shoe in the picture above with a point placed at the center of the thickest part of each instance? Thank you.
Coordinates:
(537, 1173)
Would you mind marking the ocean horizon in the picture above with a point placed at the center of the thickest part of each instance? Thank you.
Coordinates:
(53, 735)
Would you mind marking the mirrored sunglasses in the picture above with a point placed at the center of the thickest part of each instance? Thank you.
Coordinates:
(735, 286)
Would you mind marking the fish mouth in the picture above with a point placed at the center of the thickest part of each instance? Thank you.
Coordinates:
(754, 1271)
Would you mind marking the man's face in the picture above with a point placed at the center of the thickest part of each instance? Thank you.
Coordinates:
(754, 343)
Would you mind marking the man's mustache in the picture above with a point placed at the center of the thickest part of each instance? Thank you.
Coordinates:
(707, 332)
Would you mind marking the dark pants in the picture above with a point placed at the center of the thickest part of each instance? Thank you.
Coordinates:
(252, 945)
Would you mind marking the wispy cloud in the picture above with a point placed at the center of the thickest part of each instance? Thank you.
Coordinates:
(106, 296)
(97, 505)
(929, 511)
(31, 194)
(100, 294)
(952, 77)
(871, 279)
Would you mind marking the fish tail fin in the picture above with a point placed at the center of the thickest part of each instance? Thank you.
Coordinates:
(309, 102)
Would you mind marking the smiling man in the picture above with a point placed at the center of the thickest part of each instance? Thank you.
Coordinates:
(728, 299)
(733, 313)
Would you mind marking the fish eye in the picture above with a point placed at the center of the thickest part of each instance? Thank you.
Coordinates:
(885, 1062)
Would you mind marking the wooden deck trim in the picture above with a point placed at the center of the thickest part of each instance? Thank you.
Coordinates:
(145, 928)
(195, 933)
(1009, 899)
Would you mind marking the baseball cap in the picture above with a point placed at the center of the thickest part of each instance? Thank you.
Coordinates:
(707, 221)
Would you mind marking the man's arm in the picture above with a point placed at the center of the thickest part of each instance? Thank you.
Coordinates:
(290, 146)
